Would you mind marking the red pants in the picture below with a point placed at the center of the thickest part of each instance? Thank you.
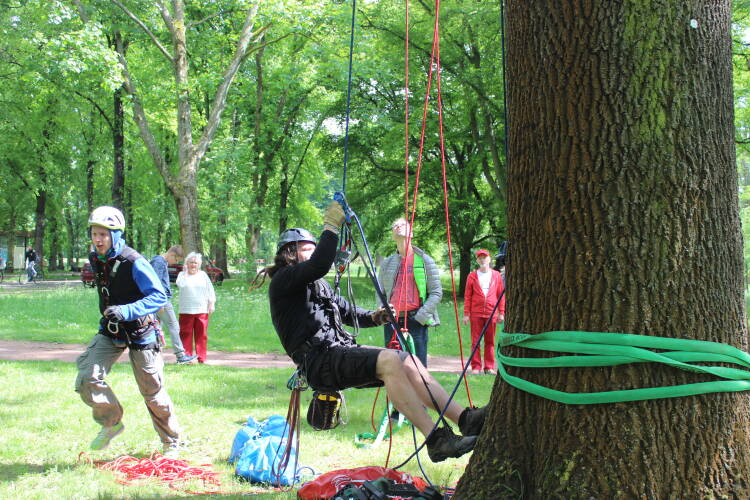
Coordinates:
(194, 326)
(489, 343)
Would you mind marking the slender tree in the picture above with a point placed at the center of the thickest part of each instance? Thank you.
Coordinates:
(183, 186)
(623, 217)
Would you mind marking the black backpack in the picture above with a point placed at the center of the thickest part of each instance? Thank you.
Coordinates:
(383, 489)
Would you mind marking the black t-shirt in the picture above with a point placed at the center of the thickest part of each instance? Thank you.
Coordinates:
(304, 307)
(31, 255)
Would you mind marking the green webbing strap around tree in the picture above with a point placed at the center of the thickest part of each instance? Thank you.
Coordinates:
(611, 349)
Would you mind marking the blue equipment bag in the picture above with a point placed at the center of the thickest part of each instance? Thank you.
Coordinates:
(258, 448)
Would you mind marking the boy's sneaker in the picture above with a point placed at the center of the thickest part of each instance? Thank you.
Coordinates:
(171, 450)
(471, 421)
(443, 443)
(105, 435)
(184, 359)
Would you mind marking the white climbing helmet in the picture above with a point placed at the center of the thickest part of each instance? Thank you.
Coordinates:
(108, 217)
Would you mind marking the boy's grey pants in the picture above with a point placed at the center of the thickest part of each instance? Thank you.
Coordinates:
(148, 367)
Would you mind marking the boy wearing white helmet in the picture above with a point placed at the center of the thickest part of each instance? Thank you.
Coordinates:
(130, 293)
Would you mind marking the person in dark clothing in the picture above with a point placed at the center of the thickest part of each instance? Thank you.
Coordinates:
(308, 318)
(30, 258)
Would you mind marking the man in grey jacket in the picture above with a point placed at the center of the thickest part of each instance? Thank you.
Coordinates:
(411, 282)
(166, 314)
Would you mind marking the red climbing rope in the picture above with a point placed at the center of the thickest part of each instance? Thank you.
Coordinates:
(434, 63)
(131, 470)
(436, 48)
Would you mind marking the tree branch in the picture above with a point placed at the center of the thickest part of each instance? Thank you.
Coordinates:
(446, 66)
(477, 242)
(145, 29)
(98, 108)
(220, 99)
(14, 169)
(167, 17)
(139, 115)
(380, 167)
(196, 23)
(318, 124)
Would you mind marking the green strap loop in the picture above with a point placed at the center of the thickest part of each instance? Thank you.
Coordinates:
(370, 440)
(612, 349)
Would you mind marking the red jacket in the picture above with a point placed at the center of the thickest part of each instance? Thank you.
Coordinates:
(476, 304)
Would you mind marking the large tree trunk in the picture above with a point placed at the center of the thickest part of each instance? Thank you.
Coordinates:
(623, 217)
(186, 200)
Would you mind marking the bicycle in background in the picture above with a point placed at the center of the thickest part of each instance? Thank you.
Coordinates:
(23, 276)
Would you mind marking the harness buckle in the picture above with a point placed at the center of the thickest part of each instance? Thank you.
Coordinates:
(110, 325)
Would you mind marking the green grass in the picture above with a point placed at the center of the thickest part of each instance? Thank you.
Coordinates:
(46, 426)
(241, 322)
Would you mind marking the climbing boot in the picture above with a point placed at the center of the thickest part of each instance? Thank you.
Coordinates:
(471, 421)
(443, 443)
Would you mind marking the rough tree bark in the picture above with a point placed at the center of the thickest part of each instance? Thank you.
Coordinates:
(623, 217)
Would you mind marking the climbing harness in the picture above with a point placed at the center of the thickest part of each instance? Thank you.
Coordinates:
(125, 331)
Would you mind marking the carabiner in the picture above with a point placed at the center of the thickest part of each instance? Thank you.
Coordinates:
(110, 323)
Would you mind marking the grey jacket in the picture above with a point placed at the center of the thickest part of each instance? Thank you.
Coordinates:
(427, 314)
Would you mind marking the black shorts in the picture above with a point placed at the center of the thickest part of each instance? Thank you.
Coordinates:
(341, 367)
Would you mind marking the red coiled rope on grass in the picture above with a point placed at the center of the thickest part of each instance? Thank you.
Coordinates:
(131, 470)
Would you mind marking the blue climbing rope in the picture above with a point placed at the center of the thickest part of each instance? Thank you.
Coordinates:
(348, 97)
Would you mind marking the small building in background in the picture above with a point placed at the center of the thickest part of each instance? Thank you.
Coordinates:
(13, 247)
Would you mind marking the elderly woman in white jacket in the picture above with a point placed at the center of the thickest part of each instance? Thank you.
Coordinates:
(197, 302)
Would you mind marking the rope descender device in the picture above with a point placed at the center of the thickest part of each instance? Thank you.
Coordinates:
(339, 197)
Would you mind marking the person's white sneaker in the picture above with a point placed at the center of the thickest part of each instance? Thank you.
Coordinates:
(171, 450)
(105, 435)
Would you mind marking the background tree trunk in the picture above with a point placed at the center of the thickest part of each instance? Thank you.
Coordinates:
(12, 225)
(189, 153)
(54, 245)
(40, 216)
(118, 141)
(623, 217)
(186, 200)
(72, 240)
(118, 131)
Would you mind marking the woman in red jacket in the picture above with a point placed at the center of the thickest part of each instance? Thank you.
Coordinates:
(483, 289)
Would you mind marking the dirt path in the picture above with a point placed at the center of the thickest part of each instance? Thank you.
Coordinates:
(17, 350)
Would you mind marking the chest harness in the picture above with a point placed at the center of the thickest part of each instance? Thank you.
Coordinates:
(106, 281)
